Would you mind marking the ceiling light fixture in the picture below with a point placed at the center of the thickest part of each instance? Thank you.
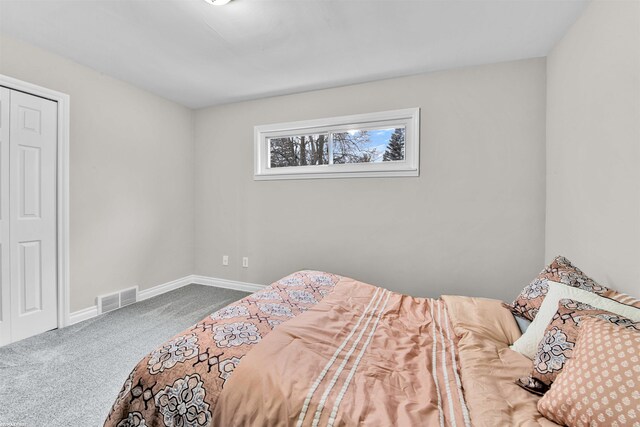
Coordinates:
(218, 2)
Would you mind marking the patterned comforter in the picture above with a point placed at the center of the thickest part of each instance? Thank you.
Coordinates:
(178, 383)
(316, 349)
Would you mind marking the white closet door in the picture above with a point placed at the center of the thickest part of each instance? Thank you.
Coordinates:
(5, 244)
(32, 205)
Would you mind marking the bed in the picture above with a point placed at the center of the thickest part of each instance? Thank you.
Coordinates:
(318, 349)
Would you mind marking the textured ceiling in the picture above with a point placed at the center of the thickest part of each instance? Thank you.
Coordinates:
(200, 55)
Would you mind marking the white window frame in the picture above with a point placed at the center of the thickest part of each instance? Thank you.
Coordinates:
(409, 118)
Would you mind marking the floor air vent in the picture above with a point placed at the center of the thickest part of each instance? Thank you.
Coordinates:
(116, 300)
(128, 296)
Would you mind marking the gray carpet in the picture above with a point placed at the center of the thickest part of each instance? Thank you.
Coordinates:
(70, 377)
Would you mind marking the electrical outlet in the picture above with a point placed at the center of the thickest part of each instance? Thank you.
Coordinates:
(245, 262)
(225, 259)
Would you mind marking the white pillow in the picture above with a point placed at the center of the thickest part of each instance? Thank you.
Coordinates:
(527, 344)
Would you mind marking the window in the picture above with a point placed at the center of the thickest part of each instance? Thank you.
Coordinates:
(364, 145)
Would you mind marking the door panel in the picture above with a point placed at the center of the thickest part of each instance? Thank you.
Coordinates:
(5, 244)
(30, 268)
(29, 172)
(32, 208)
(30, 119)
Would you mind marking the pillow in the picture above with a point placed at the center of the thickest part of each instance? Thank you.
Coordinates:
(527, 344)
(600, 385)
(622, 298)
(558, 342)
(560, 270)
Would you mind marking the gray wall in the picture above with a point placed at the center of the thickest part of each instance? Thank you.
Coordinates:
(593, 145)
(472, 223)
(131, 176)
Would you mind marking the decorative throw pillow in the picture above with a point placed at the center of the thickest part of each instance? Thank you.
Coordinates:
(600, 386)
(622, 298)
(559, 339)
(560, 270)
(527, 344)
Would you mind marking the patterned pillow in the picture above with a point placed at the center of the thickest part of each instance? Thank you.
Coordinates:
(560, 270)
(622, 298)
(559, 340)
(600, 386)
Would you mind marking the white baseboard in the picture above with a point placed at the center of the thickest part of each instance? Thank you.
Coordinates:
(84, 314)
(165, 287)
(227, 284)
(91, 312)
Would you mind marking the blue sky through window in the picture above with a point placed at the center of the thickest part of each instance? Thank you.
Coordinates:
(378, 140)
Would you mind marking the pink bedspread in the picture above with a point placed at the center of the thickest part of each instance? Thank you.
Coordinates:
(316, 349)
(178, 383)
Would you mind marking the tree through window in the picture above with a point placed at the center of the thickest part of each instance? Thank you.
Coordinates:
(299, 150)
(344, 146)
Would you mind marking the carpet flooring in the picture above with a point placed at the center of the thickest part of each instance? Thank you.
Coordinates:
(71, 376)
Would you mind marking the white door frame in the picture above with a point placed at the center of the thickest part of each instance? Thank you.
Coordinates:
(62, 187)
